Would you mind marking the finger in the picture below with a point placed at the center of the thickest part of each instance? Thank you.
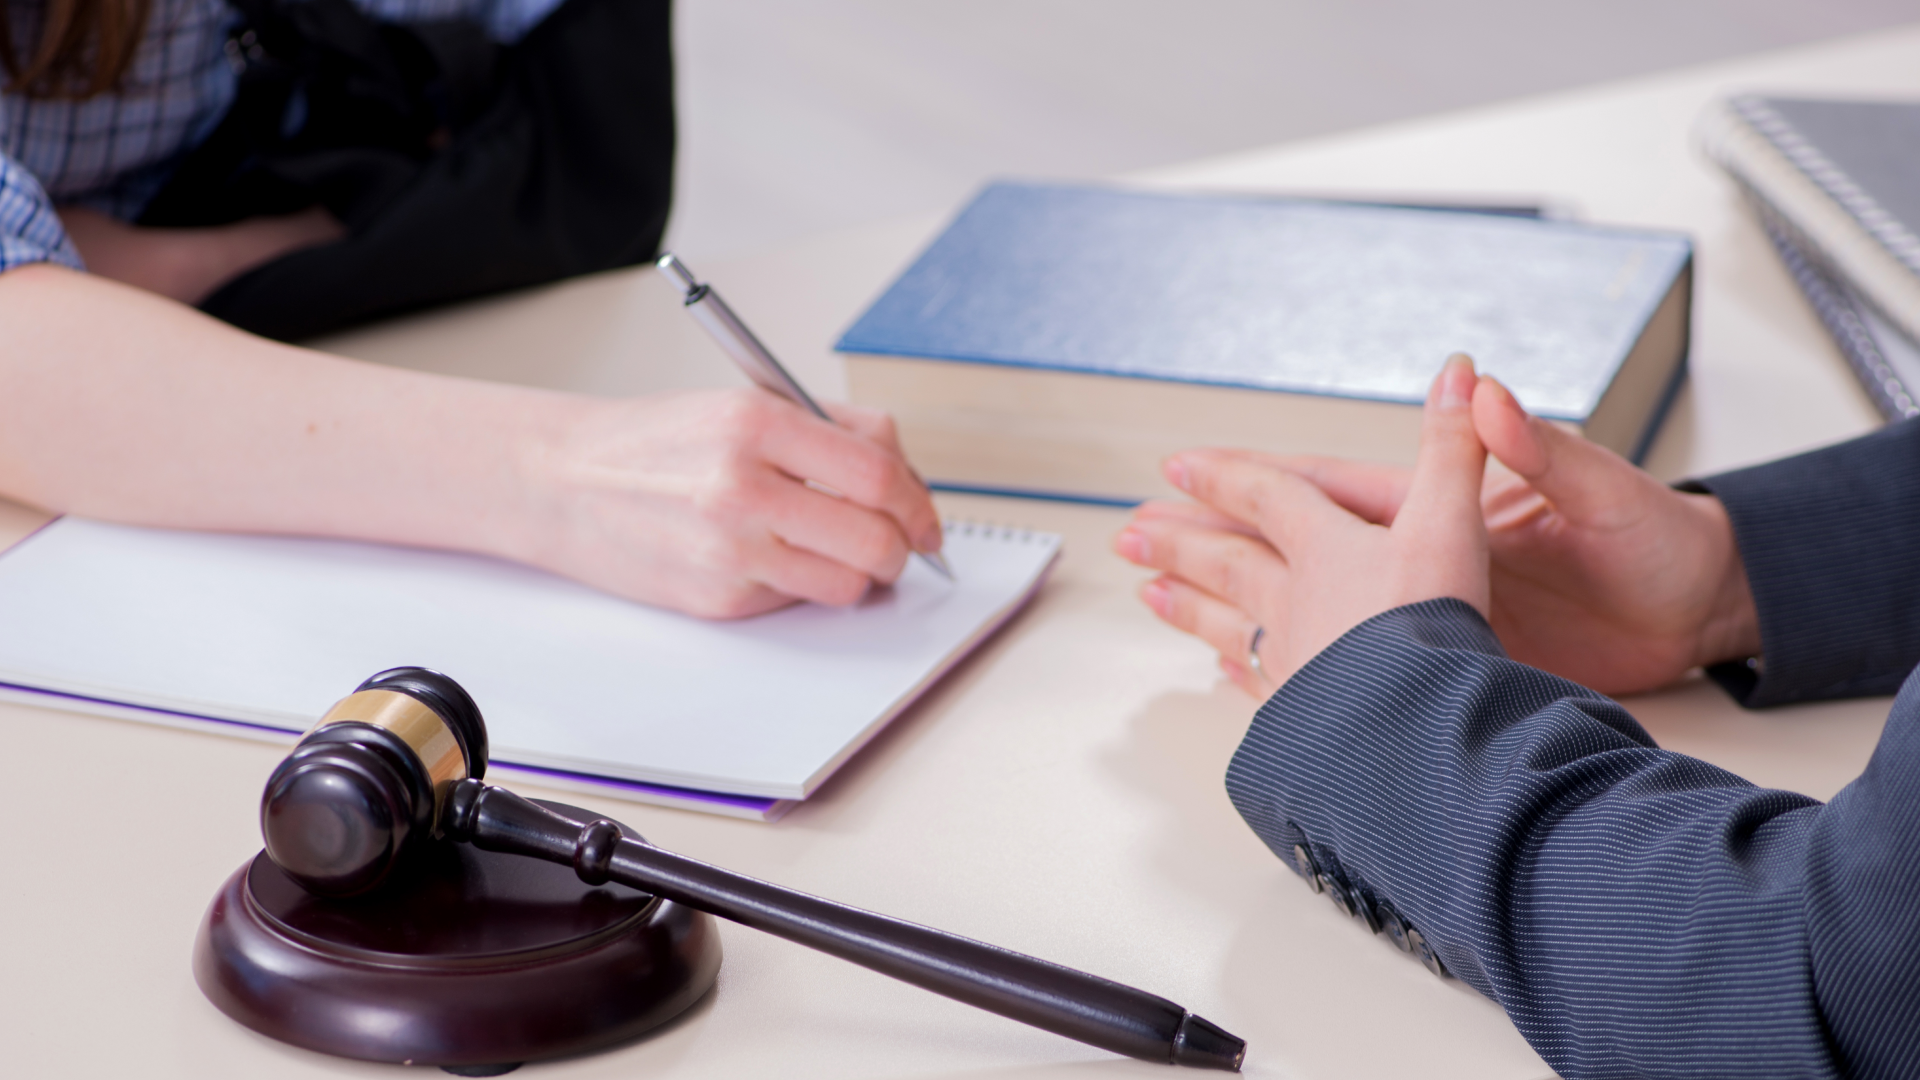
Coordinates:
(860, 539)
(874, 424)
(1224, 627)
(1238, 569)
(709, 588)
(1443, 497)
(1371, 491)
(1246, 680)
(740, 575)
(1441, 524)
(1288, 509)
(740, 600)
(1194, 513)
(863, 470)
(805, 575)
(878, 425)
(1584, 481)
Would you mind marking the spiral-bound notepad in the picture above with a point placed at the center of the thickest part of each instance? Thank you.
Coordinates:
(1885, 360)
(260, 635)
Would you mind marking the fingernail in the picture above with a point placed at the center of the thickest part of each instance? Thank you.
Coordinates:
(1132, 545)
(930, 539)
(1155, 594)
(1456, 382)
(1177, 473)
(1512, 403)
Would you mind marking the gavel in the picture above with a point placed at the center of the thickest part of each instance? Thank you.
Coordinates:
(399, 763)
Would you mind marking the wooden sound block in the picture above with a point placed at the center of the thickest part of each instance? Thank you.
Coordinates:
(474, 961)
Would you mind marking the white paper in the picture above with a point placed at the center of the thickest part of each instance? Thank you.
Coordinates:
(274, 630)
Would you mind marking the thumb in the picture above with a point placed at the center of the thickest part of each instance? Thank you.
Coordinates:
(1452, 461)
(1583, 480)
(1442, 512)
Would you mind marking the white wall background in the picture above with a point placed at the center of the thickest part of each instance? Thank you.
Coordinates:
(804, 116)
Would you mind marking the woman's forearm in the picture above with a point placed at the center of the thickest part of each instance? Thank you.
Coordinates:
(120, 405)
(117, 404)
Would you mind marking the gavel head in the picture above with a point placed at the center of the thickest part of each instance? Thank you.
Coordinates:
(369, 777)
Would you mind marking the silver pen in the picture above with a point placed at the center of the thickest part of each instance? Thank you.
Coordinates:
(737, 341)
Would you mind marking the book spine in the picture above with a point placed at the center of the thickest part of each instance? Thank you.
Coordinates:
(1893, 235)
(1838, 313)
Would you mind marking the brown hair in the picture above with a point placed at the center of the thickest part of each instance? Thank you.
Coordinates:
(85, 47)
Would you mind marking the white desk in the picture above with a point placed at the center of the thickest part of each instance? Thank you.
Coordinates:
(1060, 793)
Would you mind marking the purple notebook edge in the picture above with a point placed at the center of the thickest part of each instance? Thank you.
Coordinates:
(754, 804)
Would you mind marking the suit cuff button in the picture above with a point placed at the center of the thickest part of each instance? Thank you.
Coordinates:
(1392, 925)
(1364, 910)
(1303, 862)
(1423, 950)
(1337, 893)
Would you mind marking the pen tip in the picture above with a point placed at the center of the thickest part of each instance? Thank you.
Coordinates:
(938, 562)
(1202, 1044)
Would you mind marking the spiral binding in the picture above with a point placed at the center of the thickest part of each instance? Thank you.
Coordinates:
(1838, 312)
(987, 530)
(1884, 227)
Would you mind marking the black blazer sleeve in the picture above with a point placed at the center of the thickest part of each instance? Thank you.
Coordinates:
(1638, 913)
(1831, 542)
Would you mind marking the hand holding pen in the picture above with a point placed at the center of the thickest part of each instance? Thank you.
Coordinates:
(768, 373)
(722, 503)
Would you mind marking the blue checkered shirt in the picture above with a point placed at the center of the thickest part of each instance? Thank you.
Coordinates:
(113, 152)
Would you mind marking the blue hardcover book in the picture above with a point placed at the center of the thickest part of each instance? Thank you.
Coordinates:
(1064, 340)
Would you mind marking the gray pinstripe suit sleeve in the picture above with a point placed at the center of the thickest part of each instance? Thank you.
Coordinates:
(1638, 913)
(1831, 541)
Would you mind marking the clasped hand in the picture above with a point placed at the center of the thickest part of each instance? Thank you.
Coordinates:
(1584, 565)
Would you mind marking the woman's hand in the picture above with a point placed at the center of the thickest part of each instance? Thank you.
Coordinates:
(726, 503)
(1268, 548)
(1603, 574)
(1600, 573)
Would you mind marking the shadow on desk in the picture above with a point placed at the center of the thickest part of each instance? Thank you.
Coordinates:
(1289, 953)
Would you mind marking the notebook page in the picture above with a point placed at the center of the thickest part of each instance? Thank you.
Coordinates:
(273, 630)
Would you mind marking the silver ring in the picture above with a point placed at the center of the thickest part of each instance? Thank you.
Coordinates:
(1253, 652)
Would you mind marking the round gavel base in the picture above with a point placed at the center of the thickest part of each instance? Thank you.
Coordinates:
(474, 961)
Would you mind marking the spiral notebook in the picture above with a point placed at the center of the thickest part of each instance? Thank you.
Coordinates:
(1841, 180)
(258, 636)
(1886, 361)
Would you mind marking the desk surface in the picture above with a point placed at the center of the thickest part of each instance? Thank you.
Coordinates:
(1061, 792)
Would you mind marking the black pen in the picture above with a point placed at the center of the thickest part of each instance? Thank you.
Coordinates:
(738, 342)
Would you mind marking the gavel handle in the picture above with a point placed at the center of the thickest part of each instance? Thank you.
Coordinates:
(1093, 1010)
